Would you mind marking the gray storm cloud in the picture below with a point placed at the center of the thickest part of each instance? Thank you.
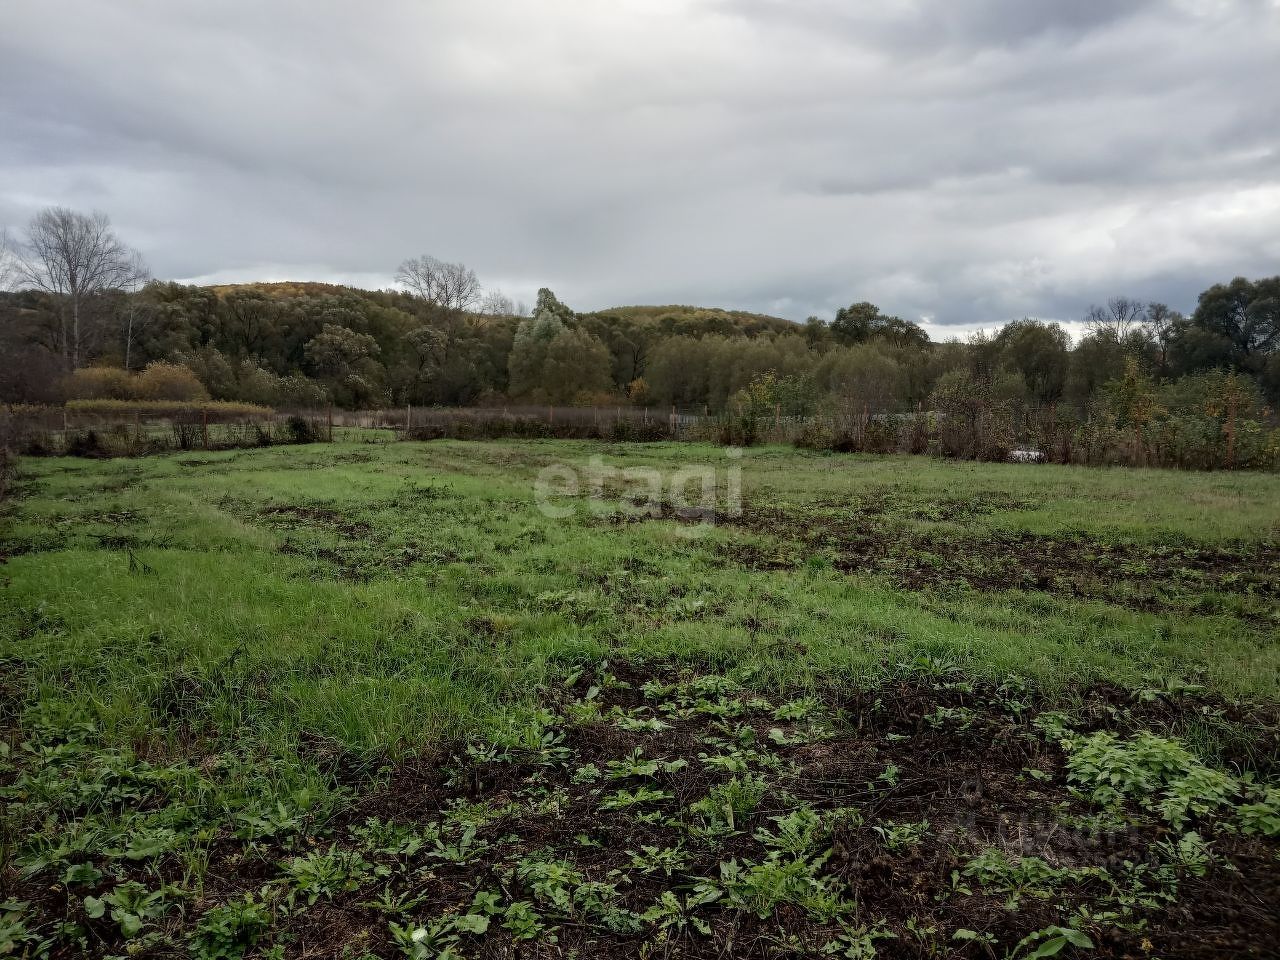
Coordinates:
(965, 163)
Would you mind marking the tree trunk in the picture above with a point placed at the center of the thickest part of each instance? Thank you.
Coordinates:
(66, 336)
(128, 339)
(75, 333)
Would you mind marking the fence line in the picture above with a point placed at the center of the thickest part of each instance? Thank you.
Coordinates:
(1048, 433)
(67, 431)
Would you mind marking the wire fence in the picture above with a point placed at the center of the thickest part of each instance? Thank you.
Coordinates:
(1025, 434)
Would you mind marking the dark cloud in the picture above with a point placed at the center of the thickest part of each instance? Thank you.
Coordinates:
(921, 27)
(963, 162)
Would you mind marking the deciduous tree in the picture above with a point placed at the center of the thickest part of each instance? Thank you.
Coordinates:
(453, 286)
(1245, 312)
(74, 257)
(863, 321)
(1121, 316)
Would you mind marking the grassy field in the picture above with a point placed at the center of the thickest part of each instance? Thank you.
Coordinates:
(322, 700)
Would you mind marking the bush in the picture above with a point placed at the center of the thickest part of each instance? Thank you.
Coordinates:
(98, 383)
(84, 444)
(168, 381)
(159, 381)
(302, 430)
(975, 416)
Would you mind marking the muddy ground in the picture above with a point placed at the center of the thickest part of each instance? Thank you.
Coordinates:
(659, 813)
(1143, 576)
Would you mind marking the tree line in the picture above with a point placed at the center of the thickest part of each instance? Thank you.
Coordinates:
(84, 318)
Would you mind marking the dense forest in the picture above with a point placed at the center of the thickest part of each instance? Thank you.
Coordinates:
(440, 341)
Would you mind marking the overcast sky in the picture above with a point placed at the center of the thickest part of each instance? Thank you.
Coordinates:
(962, 163)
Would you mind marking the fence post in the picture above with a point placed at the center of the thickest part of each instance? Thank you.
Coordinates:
(329, 417)
(551, 414)
(408, 419)
(1231, 430)
(204, 427)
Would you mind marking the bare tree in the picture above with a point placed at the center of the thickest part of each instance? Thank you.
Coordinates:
(497, 304)
(8, 262)
(1162, 322)
(132, 320)
(75, 257)
(450, 285)
(1120, 317)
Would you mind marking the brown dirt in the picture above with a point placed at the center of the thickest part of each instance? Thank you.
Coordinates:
(288, 516)
(1138, 575)
(961, 753)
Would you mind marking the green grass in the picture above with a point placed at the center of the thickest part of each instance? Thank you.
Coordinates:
(148, 572)
(211, 660)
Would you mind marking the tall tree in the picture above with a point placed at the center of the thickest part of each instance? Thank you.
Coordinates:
(132, 318)
(453, 286)
(1245, 312)
(1039, 352)
(1120, 316)
(529, 348)
(552, 361)
(497, 304)
(75, 257)
(863, 321)
(1162, 324)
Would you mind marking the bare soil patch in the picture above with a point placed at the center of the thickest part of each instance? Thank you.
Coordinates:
(661, 813)
(1142, 576)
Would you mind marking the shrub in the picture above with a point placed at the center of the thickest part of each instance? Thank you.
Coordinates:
(168, 381)
(302, 430)
(159, 381)
(84, 444)
(975, 419)
(96, 383)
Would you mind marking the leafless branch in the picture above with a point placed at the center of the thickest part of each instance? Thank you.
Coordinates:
(450, 285)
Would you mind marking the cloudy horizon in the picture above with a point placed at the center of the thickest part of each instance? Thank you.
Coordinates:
(961, 165)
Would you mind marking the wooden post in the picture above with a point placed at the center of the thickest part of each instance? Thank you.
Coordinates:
(551, 413)
(1231, 428)
(204, 427)
(329, 417)
(408, 419)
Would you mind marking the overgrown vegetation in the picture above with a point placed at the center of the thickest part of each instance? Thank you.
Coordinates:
(732, 822)
(1147, 386)
(367, 700)
(131, 428)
